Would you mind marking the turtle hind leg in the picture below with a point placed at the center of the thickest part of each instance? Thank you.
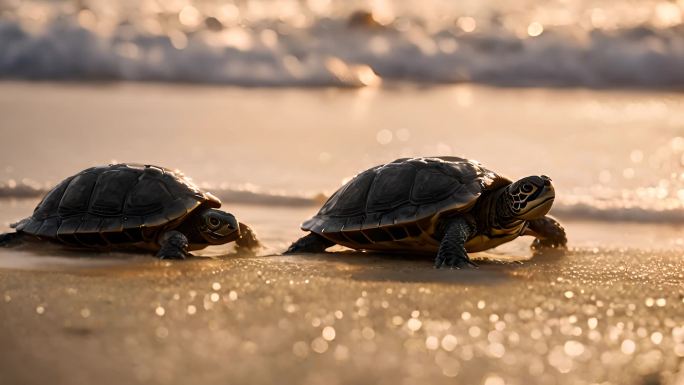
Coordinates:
(174, 245)
(452, 252)
(10, 239)
(549, 233)
(311, 243)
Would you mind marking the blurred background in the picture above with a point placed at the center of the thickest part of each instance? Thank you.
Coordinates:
(590, 43)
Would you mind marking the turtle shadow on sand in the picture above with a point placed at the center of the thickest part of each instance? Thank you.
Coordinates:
(50, 256)
(386, 267)
(492, 268)
(54, 256)
(549, 255)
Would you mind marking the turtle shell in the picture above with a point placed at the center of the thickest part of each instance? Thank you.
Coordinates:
(115, 204)
(402, 199)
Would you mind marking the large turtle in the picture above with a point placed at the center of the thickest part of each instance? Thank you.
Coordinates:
(444, 205)
(126, 205)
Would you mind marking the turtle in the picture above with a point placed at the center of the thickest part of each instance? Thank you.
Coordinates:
(445, 206)
(132, 206)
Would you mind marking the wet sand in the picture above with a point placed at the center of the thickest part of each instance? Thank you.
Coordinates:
(345, 319)
(595, 315)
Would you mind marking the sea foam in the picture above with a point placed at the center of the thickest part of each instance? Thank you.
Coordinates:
(337, 53)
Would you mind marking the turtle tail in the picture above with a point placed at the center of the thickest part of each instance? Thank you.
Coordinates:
(19, 225)
(12, 239)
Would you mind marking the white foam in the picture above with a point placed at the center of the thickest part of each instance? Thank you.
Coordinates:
(330, 52)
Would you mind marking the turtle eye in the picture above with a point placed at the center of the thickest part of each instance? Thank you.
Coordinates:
(213, 222)
(526, 188)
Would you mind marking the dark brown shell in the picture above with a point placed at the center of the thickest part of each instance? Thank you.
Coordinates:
(395, 197)
(114, 204)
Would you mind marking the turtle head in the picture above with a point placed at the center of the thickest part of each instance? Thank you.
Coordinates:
(531, 197)
(218, 227)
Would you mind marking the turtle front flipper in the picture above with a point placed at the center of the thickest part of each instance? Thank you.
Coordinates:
(549, 233)
(452, 252)
(247, 240)
(174, 245)
(311, 243)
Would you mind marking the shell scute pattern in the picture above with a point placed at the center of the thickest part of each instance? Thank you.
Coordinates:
(148, 196)
(397, 200)
(354, 193)
(431, 185)
(111, 190)
(391, 188)
(76, 198)
(50, 203)
(114, 203)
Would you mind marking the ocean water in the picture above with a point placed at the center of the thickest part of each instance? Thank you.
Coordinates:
(589, 43)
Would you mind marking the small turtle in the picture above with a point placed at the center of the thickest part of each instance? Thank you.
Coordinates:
(444, 205)
(128, 205)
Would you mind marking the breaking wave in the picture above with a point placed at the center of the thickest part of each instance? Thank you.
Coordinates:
(343, 53)
(577, 206)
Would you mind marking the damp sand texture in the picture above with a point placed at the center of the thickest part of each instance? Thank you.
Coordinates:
(346, 319)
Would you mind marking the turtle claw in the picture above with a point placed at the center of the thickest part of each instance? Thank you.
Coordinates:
(438, 262)
(455, 261)
(549, 234)
(176, 257)
(463, 264)
(471, 264)
(539, 244)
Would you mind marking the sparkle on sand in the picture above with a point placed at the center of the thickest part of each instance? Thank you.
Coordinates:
(613, 317)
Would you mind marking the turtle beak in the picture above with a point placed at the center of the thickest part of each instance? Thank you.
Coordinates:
(545, 200)
(233, 223)
(231, 228)
(541, 209)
